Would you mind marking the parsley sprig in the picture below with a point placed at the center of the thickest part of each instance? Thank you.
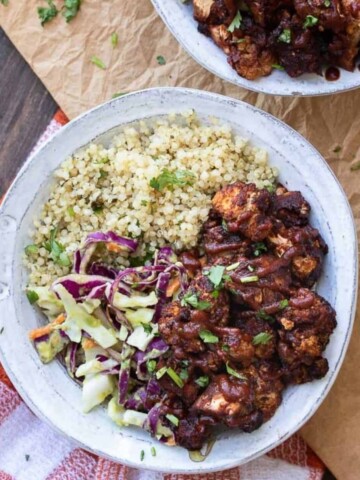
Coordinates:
(57, 250)
(168, 179)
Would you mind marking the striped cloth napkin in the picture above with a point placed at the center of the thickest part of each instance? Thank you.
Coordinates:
(31, 450)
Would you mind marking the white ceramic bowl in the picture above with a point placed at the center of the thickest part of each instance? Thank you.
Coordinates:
(179, 19)
(48, 390)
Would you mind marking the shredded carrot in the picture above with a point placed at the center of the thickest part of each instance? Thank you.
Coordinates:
(39, 332)
(88, 343)
(174, 285)
(113, 247)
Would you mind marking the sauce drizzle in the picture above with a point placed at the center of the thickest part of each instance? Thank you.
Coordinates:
(332, 74)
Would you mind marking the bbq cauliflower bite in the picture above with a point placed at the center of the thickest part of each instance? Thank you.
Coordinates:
(244, 402)
(250, 59)
(290, 207)
(304, 248)
(244, 208)
(329, 16)
(214, 12)
(306, 326)
(259, 282)
(263, 10)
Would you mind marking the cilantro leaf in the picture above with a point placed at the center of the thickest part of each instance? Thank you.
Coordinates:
(215, 274)
(57, 250)
(47, 13)
(283, 304)
(264, 316)
(70, 9)
(262, 338)
(285, 36)
(193, 300)
(235, 23)
(208, 337)
(161, 60)
(31, 250)
(151, 366)
(169, 179)
(259, 248)
(310, 21)
(202, 381)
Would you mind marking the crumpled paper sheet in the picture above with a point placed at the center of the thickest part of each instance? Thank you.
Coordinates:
(60, 54)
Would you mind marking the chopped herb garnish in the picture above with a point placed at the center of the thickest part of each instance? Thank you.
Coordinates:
(114, 39)
(215, 274)
(174, 420)
(142, 455)
(184, 363)
(283, 304)
(169, 179)
(27, 457)
(250, 268)
(57, 250)
(47, 13)
(310, 21)
(153, 451)
(32, 296)
(175, 377)
(120, 94)
(103, 174)
(1, 330)
(184, 374)
(285, 36)
(235, 23)
(147, 328)
(337, 149)
(233, 266)
(161, 60)
(70, 212)
(202, 381)
(259, 248)
(234, 373)
(250, 279)
(215, 293)
(140, 261)
(4, 2)
(355, 167)
(241, 40)
(144, 203)
(327, 3)
(262, 338)
(151, 366)
(225, 348)
(208, 337)
(193, 300)
(160, 373)
(224, 225)
(271, 188)
(226, 278)
(264, 316)
(31, 249)
(277, 66)
(97, 208)
(98, 62)
(70, 9)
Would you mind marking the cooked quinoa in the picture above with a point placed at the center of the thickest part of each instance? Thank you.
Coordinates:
(108, 188)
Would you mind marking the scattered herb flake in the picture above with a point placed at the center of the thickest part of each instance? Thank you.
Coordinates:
(259, 248)
(46, 14)
(174, 420)
(224, 225)
(225, 348)
(262, 338)
(120, 94)
(337, 149)
(192, 300)
(142, 455)
(310, 21)
(153, 451)
(27, 457)
(250, 279)
(283, 304)
(4, 2)
(234, 373)
(114, 39)
(271, 188)
(355, 167)
(151, 366)
(161, 60)
(147, 328)
(202, 381)
(277, 66)
(57, 250)
(169, 179)
(235, 23)
(184, 374)
(98, 62)
(327, 3)
(175, 377)
(285, 36)
(70, 9)
(251, 268)
(265, 316)
(32, 296)
(208, 337)
(70, 212)
(144, 203)
(215, 293)
(31, 249)
(103, 174)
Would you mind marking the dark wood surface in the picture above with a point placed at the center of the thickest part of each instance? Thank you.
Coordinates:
(26, 108)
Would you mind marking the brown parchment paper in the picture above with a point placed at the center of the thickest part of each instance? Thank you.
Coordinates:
(60, 55)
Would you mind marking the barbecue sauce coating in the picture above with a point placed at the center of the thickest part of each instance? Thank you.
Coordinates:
(238, 342)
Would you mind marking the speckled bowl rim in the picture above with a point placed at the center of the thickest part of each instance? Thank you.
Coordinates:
(198, 468)
(261, 85)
